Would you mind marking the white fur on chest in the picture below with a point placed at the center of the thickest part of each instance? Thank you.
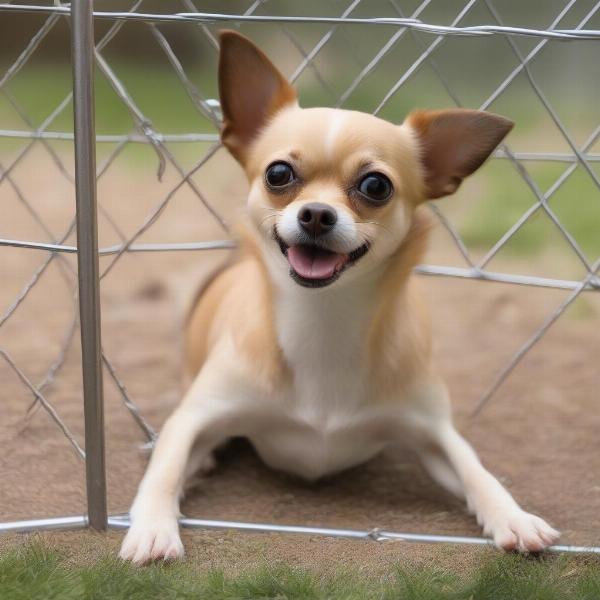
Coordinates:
(324, 420)
(323, 340)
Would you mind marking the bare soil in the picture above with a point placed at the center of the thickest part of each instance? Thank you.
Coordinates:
(539, 433)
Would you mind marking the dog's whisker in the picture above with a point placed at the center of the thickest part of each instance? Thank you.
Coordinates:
(376, 224)
(266, 219)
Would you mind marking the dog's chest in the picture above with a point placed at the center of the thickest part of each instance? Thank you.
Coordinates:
(325, 420)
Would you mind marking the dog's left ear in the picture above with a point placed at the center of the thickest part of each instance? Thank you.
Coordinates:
(454, 144)
(251, 91)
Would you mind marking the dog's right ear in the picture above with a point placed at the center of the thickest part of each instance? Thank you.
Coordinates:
(251, 91)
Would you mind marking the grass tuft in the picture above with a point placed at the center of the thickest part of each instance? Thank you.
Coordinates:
(33, 570)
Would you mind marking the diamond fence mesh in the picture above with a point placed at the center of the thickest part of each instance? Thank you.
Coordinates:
(381, 57)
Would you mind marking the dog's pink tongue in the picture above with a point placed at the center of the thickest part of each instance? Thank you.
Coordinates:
(311, 263)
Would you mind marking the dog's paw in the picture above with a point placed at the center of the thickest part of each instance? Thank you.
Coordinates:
(520, 531)
(149, 540)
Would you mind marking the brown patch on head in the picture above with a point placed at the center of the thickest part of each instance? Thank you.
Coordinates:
(251, 91)
(454, 144)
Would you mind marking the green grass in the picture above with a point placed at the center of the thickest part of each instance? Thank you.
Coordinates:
(34, 571)
(506, 197)
(157, 91)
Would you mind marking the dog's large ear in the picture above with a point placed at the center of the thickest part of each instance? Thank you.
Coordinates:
(251, 90)
(454, 144)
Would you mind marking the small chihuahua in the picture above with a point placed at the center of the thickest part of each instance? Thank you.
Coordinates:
(313, 343)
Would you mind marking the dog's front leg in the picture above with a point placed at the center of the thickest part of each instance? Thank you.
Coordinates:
(203, 420)
(452, 462)
(497, 512)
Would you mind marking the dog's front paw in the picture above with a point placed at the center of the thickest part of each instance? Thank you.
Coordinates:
(518, 530)
(152, 539)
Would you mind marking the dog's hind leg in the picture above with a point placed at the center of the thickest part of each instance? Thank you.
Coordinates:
(198, 466)
(199, 463)
(441, 471)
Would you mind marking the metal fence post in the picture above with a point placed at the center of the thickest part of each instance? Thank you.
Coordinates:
(82, 45)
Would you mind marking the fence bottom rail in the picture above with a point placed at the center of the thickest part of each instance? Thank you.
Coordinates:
(375, 534)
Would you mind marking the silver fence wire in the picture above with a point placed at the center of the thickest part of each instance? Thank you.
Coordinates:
(363, 39)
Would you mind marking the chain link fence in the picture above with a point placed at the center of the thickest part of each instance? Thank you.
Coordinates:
(363, 55)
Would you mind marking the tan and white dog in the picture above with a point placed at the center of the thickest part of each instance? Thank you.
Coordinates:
(313, 343)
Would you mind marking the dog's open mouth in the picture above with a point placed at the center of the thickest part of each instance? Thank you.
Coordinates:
(314, 266)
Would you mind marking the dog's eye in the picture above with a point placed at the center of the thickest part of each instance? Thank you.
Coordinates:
(279, 174)
(376, 188)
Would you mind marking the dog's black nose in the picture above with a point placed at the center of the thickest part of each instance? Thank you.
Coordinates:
(317, 218)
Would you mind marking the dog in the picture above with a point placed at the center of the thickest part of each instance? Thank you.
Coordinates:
(313, 343)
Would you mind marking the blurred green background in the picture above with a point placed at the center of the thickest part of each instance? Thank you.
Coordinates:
(568, 74)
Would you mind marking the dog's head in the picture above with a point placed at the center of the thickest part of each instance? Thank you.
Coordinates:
(333, 189)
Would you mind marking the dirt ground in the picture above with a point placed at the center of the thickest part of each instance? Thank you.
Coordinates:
(539, 434)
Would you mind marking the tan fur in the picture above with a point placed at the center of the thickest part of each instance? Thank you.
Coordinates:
(238, 301)
(314, 342)
(400, 336)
